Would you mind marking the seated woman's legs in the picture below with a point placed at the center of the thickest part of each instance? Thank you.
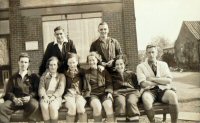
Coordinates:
(70, 104)
(108, 107)
(53, 109)
(45, 110)
(80, 108)
(132, 110)
(120, 107)
(97, 109)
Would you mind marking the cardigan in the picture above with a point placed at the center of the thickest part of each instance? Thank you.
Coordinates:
(144, 70)
(125, 83)
(98, 82)
(45, 82)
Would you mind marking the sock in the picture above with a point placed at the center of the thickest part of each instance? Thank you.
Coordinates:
(173, 110)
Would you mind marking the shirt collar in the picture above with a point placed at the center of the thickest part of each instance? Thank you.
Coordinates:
(151, 62)
(108, 39)
(28, 72)
(56, 42)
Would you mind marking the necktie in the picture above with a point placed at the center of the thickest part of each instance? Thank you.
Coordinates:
(154, 68)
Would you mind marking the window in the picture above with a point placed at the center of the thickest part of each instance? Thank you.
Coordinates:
(81, 28)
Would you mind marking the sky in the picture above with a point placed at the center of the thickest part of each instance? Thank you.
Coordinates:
(163, 18)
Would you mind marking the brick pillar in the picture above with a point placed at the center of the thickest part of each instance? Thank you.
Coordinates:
(130, 37)
(15, 33)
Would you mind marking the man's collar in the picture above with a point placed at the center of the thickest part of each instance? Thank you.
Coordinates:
(108, 38)
(151, 62)
(56, 42)
(28, 72)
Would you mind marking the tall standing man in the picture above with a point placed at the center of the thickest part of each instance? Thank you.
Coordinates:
(106, 46)
(21, 92)
(155, 78)
(58, 48)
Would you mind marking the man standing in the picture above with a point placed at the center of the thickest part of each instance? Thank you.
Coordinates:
(58, 48)
(21, 92)
(155, 78)
(106, 46)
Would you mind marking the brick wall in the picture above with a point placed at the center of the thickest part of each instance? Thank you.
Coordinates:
(32, 31)
(24, 29)
(114, 20)
(29, 28)
(130, 38)
(15, 32)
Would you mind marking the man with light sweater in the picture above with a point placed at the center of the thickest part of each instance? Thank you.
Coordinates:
(155, 78)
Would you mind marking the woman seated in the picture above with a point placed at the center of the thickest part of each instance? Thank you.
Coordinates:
(51, 89)
(125, 91)
(74, 101)
(100, 89)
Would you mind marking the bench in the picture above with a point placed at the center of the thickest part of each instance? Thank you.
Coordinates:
(159, 108)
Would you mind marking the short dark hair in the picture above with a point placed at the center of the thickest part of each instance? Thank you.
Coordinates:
(72, 55)
(58, 28)
(96, 55)
(150, 46)
(22, 55)
(123, 57)
(51, 59)
(103, 23)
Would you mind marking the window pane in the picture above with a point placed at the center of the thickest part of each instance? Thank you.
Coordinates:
(4, 56)
(83, 32)
(74, 16)
(92, 15)
(4, 27)
(55, 17)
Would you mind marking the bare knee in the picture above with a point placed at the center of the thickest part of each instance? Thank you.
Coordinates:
(44, 106)
(108, 106)
(53, 107)
(71, 108)
(171, 97)
(80, 107)
(96, 106)
(147, 99)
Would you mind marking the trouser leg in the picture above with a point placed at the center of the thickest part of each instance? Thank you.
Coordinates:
(6, 109)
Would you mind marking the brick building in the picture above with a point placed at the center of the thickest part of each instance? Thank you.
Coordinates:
(187, 46)
(27, 26)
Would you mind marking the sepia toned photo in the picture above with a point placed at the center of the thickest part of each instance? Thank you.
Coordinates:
(104, 61)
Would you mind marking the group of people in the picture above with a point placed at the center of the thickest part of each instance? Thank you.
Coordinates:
(106, 85)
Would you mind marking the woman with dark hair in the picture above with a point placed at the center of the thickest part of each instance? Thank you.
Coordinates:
(125, 91)
(51, 89)
(100, 89)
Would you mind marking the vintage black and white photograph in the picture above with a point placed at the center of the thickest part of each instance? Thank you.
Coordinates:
(100, 61)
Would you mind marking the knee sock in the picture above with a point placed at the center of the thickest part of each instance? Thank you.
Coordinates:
(97, 118)
(47, 121)
(110, 118)
(70, 118)
(150, 114)
(173, 110)
(82, 117)
(54, 121)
